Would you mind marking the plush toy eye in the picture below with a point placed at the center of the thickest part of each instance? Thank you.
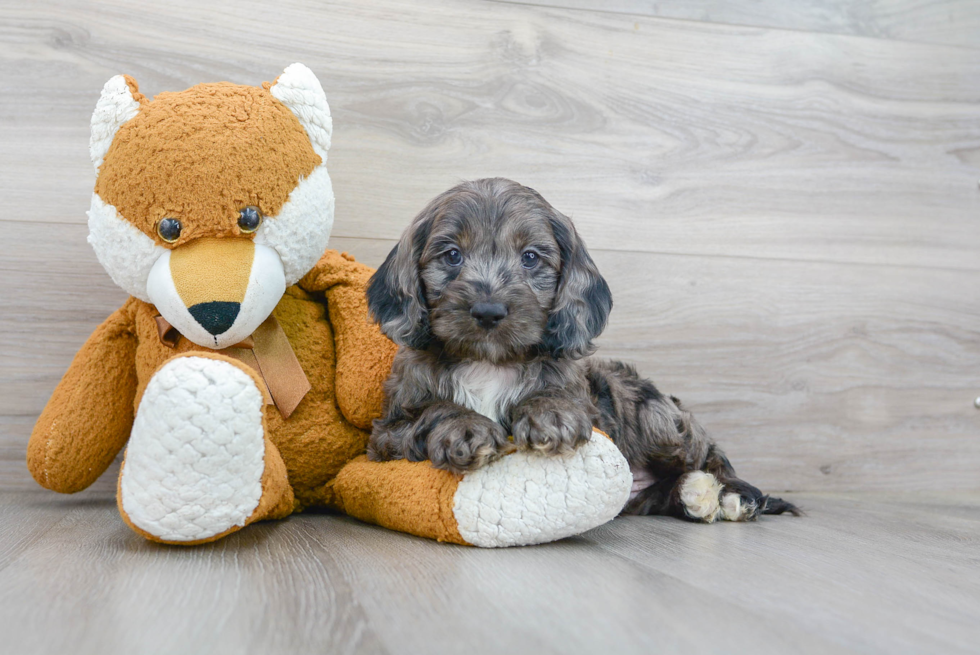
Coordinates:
(530, 259)
(454, 257)
(249, 219)
(169, 229)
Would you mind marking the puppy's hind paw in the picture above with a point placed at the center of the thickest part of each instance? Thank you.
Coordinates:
(735, 507)
(741, 501)
(700, 495)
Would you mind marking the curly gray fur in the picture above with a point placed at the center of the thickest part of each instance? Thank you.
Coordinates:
(495, 302)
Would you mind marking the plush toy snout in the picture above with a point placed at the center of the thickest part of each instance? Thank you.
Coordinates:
(216, 291)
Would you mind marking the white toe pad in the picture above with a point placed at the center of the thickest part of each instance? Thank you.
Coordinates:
(734, 509)
(699, 494)
(528, 498)
(196, 455)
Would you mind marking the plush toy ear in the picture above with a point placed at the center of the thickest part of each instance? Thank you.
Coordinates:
(298, 89)
(120, 102)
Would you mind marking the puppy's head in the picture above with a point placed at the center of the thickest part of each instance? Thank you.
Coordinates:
(491, 271)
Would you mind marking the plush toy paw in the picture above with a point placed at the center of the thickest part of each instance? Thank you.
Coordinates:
(527, 498)
(197, 455)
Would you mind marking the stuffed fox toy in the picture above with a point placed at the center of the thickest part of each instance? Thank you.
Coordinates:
(242, 374)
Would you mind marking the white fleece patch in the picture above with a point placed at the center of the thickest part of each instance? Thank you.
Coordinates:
(264, 291)
(125, 253)
(699, 494)
(301, 230)
(300, 90)
(526, 498)
(196, 455)
(115, 107)
(733, 509)
(486, 388)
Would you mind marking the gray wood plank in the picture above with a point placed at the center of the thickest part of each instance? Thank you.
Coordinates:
(895, 576)
(318, 583)
(790, 229)
(858, 574)
(813, 376)
(945, 22)
(792, 145)
(90, 585)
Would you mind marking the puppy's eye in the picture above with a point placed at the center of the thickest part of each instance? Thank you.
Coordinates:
(249, 219)
(169, 229)
(454, 257)
(530, 259)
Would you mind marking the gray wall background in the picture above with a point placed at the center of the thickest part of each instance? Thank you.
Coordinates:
(783, 195)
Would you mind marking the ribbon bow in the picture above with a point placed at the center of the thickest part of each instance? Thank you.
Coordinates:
(268, 353)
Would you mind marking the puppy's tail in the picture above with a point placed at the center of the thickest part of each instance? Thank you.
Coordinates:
(772, 505)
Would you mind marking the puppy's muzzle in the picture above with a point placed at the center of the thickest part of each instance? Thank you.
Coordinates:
(488, 314)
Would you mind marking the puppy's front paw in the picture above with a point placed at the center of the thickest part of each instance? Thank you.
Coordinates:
(466, 442)
(550, 425)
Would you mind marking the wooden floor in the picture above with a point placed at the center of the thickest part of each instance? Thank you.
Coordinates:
(856, 575)
(783, 196)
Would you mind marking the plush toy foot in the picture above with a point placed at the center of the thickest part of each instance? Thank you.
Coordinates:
(198, 465)
(524, 498)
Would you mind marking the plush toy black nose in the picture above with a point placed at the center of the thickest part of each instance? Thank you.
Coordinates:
(215, 317)
(488, 314)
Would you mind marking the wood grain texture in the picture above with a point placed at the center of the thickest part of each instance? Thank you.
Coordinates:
(812, 376)
(856, 575)
(788, 219)
(791, 145)
(945, 22)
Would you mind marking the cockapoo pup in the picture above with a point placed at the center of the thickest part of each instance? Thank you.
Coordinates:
(494, 302)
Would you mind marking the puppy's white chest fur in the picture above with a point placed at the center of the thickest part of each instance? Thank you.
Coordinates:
(486, 388)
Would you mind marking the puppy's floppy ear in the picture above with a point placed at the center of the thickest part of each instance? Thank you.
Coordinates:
(396, 297)
(583, 300)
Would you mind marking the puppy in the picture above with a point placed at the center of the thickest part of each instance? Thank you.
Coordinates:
(495, 302)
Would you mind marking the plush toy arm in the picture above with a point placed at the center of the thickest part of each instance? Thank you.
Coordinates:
(364, 355)
(521, 499)
(90, 414)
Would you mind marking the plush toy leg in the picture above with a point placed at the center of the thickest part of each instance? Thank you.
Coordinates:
(524, 498)
(199, 465)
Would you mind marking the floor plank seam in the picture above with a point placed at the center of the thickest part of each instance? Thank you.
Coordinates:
(694, 21)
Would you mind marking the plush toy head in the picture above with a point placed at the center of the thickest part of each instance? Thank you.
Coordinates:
(211, 201)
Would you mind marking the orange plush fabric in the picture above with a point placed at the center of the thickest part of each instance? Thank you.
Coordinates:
(200, 156)
(240, 308)
(320, 446)
(202, 166)
(87, 420)
(401, 496)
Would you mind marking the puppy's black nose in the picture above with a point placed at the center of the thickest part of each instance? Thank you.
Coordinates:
(215, 317)
(488, 314)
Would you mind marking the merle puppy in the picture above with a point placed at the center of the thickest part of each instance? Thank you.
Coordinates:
(494, 302)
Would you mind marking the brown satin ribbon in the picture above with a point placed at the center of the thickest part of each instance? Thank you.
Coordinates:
(269, 354)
